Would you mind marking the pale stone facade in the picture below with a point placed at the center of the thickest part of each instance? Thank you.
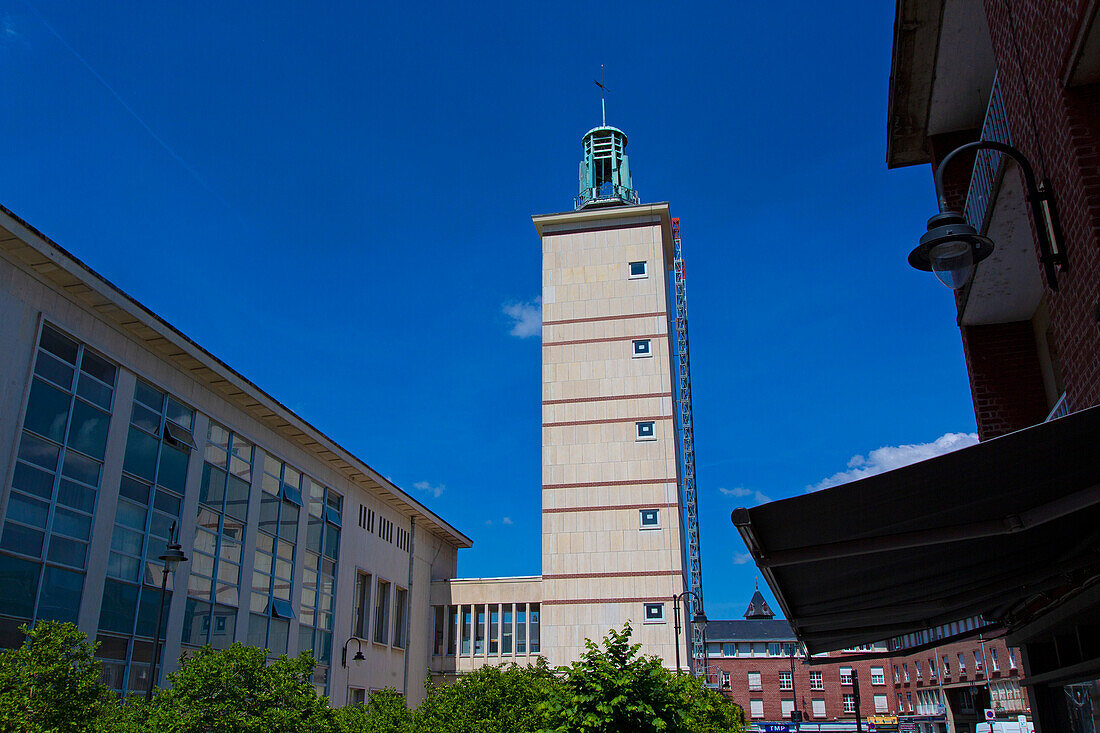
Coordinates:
(602, 468)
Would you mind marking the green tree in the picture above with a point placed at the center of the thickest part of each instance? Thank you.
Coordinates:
(51, 683)
(384, 712)
(503, 699)
(613, 689)
(236, 690)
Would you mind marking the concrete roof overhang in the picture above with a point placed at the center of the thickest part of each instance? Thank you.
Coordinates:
(51, 263)
(941, 75)
(1005, 529)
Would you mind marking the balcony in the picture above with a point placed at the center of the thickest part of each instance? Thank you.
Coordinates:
(606, 194)
(1007, 286)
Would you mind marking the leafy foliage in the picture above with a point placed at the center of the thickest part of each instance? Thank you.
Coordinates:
(51, 683)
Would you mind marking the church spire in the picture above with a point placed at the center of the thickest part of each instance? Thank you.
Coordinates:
(758, 608)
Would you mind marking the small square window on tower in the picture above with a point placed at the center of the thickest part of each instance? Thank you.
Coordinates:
(642, 348)
(637, 270)
(645, 430)
(649, 519)
(654, 613)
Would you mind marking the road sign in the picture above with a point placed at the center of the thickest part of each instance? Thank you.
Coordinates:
(990, 714)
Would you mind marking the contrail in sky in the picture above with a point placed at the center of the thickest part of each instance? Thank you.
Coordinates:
(167, 148)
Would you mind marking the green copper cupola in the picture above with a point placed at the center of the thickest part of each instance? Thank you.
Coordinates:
(605, 170)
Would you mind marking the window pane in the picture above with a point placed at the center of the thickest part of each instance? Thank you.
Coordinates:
(288, 522)
(119, 605)
(81, 468)
(196, 622)
(269, 513)
(56, 343)
(121, 566)
(173, 468)
(141, 454)
(147, 611)
(37, 451)
(332, 541)
(54, 370)
(60, 599)
(149, 395)
(278, 637)
(47, 411)
(33, 480)
(212, 488)
(23, 540)
(179, 413)
(224, 627)
(76, 496)
(94, 392)
(236, 498)
(167, 503)
(27, 510)
(19, 579)
(98, 367)
(130, 515)
(72, 524)
(145, 418)
(127, 541)
(88, 429)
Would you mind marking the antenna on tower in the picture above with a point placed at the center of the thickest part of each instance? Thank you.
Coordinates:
(603, 96)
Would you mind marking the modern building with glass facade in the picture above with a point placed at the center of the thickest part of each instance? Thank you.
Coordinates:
(116, 430)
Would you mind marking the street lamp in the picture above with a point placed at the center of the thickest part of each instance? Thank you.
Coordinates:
(358, 659)
(172, 557)
(699, 619)
(951, 247)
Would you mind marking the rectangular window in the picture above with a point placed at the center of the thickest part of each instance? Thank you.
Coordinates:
(382, 613)
(756, 708)
(977, 662)
(1011, 658)
(881, 705)
(931, 668)
(754, 682)
(724, 679)
(536, 638)
(785, 681)
(466, 623)
(479, 631)
(506, 630)
(775, 650)
(962, 663)
(993, 660)
(916, 667)
(849, 703)
(897, 675)
(786, 707)
(494, 628)
(400, 612)
(946, 667)
(654, 612)
(642, 348)
(845, 675)
(900, 706)
(439, 623)
(905, 671)
(818, 707)
(909, 701)
(817, 681)
(452, 630)
(877, 677)
(649, 518)
(521, 628)
(637, 270)
(729, 650)
(357, 696)
(361, 618)
(645, 430)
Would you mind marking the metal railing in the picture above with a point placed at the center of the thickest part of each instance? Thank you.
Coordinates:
(1061, 409)
(988, 164)
(606, 192)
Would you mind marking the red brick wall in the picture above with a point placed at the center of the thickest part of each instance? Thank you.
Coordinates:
(957, 677)
(1006, 381)
(833, 694)
(1032, 41)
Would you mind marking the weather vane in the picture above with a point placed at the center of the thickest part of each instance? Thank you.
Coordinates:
(603, 96)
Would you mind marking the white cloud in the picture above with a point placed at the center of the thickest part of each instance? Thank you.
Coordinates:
(435, 491)
(526, 317)
(741, 558)
(507, 520)
(895, 456)
(741, 492)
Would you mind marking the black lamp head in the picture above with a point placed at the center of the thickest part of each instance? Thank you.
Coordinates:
(173, 557)
(950, 248)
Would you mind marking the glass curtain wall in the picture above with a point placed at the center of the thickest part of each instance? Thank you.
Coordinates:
(276, 543)
(214, 587)
(150, 495)
(319, 579)
(54, 488)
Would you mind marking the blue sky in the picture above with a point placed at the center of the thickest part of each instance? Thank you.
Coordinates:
(336, 200)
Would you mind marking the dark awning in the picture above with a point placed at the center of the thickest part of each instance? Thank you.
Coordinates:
(978, 531)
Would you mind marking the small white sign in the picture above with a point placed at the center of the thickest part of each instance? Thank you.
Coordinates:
(990, 714)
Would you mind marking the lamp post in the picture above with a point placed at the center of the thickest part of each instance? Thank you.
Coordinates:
(699, 618)
(172, 557)
(951, 247)
(358, 659)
